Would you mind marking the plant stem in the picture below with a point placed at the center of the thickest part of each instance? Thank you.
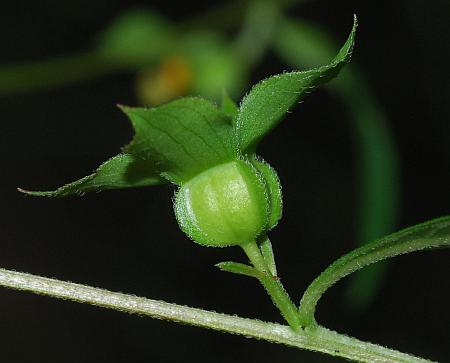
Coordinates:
(255, 256)
(431, 234)
(273, 286)
(320, 339)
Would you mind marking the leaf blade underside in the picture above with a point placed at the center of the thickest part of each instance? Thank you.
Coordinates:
(121, 171)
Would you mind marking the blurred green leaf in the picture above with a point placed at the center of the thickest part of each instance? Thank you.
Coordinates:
(267, 102)
(302, 44)
(121, 171)
(431, 234)
(258, 28)
(140, 39)
(136, 38)
(215, 64)
(181, 138)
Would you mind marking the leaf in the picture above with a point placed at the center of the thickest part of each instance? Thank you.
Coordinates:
(136, 38)
(267, 252)
(302, 44)
(121, 171)
(239, 268)
(181, 138)
(431, 234)
(268, 102)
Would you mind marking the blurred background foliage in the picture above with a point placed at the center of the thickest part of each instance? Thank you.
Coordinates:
(366, 156)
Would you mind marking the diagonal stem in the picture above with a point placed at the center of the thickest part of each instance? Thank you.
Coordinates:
(423, 236)
(273, 286)
(319, 339)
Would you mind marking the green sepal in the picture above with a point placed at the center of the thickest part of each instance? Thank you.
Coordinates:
(121, 171)
(240, 269)
(267, 103)
(229, 107)
(267, 252)
(181, 138)
(273, 185)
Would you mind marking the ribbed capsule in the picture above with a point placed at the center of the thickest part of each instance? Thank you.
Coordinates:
(226, 205)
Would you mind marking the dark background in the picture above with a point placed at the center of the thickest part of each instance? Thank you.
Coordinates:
(129, 240)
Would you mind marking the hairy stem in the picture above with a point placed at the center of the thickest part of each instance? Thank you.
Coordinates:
(273, 286)
(319, 339)
(431, 234)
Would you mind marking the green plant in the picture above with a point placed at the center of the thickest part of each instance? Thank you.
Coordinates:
(196, 56)
(210, 154)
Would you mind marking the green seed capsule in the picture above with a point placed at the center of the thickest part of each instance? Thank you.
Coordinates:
(224, 206)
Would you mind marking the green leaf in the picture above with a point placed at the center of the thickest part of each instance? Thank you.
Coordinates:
(274, 190)
(121, 171)
(229, 107)
(136, 38)
(181, 138)
(239, 268)
(267, 102)
(431, 234)
(302, 44)
(267, 252)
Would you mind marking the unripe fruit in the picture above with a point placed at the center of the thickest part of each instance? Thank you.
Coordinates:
(224, 206)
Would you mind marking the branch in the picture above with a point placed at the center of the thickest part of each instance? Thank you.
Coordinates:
(318, 339)
(423, 236)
